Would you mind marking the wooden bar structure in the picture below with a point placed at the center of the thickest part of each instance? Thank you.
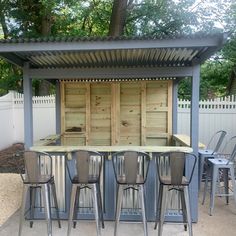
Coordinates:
(128, 113)
(113, 94)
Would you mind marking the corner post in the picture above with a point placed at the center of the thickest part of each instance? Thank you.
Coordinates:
(194, 134)
(28, 111)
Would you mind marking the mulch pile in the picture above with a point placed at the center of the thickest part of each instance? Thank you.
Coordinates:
(9, 162)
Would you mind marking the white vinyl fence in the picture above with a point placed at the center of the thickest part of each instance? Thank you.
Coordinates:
(214, 115)
(12, 118)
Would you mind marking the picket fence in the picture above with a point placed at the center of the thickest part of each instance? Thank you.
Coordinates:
(214, 115)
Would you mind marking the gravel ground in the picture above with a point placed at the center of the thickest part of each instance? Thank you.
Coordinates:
(10, 195)
(10, 181)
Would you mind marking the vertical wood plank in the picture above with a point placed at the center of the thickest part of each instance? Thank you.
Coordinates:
(143, 112)
(115, 114)
(88, 113)
(169, 115)
(62, 88)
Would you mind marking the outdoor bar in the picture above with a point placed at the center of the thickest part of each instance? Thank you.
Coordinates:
(113, 94)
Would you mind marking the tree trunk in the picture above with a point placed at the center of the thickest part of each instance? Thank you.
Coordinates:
(118, 17)
(46, 25)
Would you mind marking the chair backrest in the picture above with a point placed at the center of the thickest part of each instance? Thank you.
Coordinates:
(84, 165)
(217, 139)
(173, 166)
(130, 167)
(37, 164)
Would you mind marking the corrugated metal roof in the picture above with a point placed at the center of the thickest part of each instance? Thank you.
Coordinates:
(71, 52)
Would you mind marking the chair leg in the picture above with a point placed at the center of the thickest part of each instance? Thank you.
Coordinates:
(76, 206)
(226, 184)
(233, 181)
(55, 202)
(205, 186)
(163, 204)
(32, 205)
(213, 188)
(118, 207)
(95, 203)
(202, 162)
(22, 211)
(100, 205)
(158, 205)
(46, 199)
(184, 210)
(188, 210)
(142, 203)
(72, 205)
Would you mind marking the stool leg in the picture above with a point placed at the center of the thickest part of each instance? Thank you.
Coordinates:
(55, 202)
(188, 210)
(202, 162)
(118, 207)
(184, 210)
(76, 206)
(142, 203)
(22, 211)
(72, 205)
(226, 184)
(213, 188)
(32, 205)
(46, 199)
(163, 204)
(95, 203)
(158, 205)
(205, 186)
(233, 181)
(100, 205)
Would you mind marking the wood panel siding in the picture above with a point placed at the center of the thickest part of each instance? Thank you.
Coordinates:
(125, 113)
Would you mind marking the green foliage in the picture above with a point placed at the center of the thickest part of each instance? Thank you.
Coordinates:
(37, 18)
(11, 79)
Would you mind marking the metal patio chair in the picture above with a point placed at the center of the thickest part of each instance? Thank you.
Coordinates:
(176, 175)
(219, 169)
(84, 170)
(131, 169)
(38, 175)
(217, 139)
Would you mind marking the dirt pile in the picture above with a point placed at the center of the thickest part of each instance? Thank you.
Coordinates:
(9, 162)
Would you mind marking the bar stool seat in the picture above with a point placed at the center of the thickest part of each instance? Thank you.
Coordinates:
(37, 177)
(84, 170)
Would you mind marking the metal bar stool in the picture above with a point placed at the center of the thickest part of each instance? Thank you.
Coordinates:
(131, 168)
(176, 176)
(207, 153)
(225, 163)
(38, 175)
(84, 168)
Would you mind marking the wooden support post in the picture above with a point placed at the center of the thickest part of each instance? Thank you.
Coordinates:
(88, 113)
(62, 89)
(143, 113)
(115, 114)
(169, 116)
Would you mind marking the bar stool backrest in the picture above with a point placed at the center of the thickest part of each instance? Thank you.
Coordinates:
(85, 165)
(218, 139)
(130, 167)
(171, 168)
(37, 165)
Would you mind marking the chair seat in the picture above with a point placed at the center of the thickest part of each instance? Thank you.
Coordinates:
(166, 180)
(91, 180)
(139, 180)
(220, 162)
(43, 179)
